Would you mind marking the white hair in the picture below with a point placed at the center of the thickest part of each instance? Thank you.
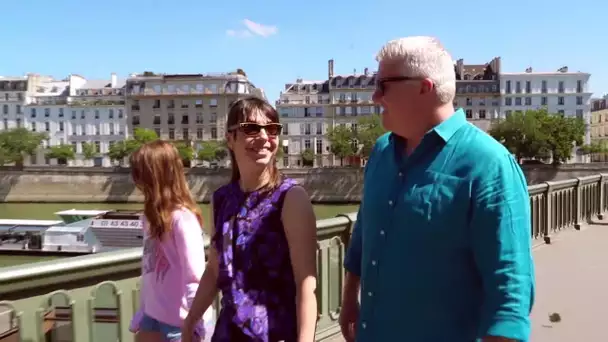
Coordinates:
(426, 57)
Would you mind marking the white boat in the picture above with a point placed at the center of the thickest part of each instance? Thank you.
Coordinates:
(78, 232)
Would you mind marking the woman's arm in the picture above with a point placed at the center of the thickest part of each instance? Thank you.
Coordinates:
(207, 288)
(301, 231)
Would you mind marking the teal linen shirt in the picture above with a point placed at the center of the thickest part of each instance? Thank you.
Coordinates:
(442, 242)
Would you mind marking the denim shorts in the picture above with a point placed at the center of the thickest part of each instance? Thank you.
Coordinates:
(169, 333)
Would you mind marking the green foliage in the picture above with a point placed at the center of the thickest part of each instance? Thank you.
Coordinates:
(594, 147)
(308, 157)
(539, 134)
(143, 135)
(212, 151)
(119, 151)
(89, 150)
(369, 129)
(62, 153)
(122, 149)
(185, 150)
(341, 139)
(17, 143)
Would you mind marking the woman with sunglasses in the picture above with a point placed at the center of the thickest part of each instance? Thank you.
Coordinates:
(263, 255)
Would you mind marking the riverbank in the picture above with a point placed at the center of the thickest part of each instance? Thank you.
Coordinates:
(48, 184)
(78, 185)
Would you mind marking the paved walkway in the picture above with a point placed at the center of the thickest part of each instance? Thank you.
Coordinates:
(571, 280)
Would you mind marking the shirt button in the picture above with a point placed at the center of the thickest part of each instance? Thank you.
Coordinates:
(363, 325)
(382, 232)
(390, 203)
(370, 294)
(400, 174)
(373, 262)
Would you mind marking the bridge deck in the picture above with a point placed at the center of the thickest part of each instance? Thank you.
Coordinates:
(572, 280)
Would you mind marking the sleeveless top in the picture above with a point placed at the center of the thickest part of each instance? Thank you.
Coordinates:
(255, 274)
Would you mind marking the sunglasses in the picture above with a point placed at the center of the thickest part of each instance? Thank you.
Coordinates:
(381, 83)
(251, 128)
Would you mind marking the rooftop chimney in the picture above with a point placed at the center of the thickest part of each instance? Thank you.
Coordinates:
(366, 71)
(330, 68)
(529, 70)
(113, 80)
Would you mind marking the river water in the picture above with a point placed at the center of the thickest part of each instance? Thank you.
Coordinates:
(45, 211)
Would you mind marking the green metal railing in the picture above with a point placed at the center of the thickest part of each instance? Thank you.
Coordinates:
(92, 298)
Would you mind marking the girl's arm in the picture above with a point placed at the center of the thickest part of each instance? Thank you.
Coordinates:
(207, 288)
(301, 231)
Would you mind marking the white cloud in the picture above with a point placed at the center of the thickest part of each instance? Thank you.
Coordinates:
(253, 28)
(238, 33)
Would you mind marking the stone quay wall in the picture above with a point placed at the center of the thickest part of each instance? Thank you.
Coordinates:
(325, 185)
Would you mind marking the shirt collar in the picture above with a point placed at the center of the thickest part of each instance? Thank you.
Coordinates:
(445, 130)
(449, 127)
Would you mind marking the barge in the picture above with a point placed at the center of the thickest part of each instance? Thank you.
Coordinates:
(78, 232)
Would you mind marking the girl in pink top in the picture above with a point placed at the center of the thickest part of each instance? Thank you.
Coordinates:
(174, 253)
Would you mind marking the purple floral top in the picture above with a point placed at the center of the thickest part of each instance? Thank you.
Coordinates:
(255, 274)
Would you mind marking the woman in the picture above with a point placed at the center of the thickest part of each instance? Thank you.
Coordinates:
(173, 260)
(263, 258)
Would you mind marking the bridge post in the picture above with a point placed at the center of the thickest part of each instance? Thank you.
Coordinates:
(547, 217)
(601, 193)
(578, 205)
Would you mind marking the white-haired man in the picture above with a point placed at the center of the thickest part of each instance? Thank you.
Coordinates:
(441, 249)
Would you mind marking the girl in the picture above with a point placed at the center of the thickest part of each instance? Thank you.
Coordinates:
(174, 254)
(263, 255)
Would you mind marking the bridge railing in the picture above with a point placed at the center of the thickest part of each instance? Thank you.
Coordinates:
(92, 298)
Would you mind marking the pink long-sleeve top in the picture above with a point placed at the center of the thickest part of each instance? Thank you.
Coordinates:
(172, 268)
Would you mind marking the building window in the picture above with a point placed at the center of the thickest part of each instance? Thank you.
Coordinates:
(319, 146)
(543, 101)
(528, 101)
(560, 100)
(482, 113)
(469, 114)
(579, 100)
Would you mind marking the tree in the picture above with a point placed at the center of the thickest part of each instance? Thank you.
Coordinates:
(341, 140)
(89, 150)
(539, 134)
(564, 132)
(308, 157)
(212, 151)
(62, 153)
(521, 133)
(369, 129)
(144, 135)
(19, 142)
(118, 152)
(186, 152)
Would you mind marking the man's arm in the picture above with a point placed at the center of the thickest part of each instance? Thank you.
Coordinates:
(501, 242)
(352, 261)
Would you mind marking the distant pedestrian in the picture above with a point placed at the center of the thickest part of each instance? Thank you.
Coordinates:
(263, 255)
(174, 253)
(441, 248)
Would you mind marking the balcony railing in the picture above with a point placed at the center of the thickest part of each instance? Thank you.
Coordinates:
(93, 297)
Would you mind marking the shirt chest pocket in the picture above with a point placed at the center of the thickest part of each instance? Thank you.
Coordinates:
(435, 201)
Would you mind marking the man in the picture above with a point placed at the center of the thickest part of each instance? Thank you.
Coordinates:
(441, 249)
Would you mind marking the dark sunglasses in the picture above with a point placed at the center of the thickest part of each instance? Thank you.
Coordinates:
(251, 128)
(381, 83)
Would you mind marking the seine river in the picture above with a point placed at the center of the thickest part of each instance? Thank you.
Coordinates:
(45, 211)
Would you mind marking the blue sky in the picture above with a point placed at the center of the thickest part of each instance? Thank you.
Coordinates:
(95, 38)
